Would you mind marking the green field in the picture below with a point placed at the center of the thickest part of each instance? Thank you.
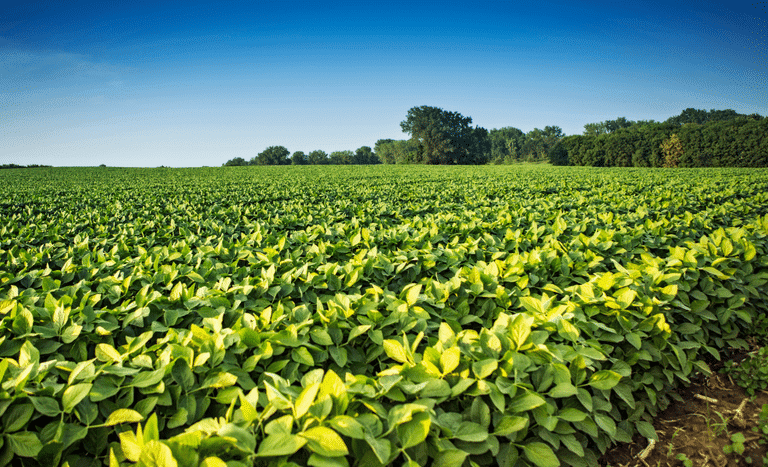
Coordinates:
(334, 316)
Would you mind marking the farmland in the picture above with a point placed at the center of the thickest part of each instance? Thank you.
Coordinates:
(334, 316)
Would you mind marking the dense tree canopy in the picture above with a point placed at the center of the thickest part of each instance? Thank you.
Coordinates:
(317, 157)
(444, 137)
(299, 158)
(695, 138)
(365, 155)
(273, 155)
(692, 139)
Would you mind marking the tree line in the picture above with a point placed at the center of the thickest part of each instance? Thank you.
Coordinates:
(17, 166)
(280, 155)
(437, 137)
(695, 138)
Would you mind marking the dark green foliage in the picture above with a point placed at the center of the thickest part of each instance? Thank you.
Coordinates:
(506, 145)
(317, 157)
(273, 155)
(444, 137)
(341, 157)
(365, 156)
(299, 158)
(236, 162)
(696, 138)
(751, 373)
(391, 151)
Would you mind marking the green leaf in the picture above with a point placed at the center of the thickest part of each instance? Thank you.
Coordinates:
(220, 380)
(157, 454)
(107, 353)
(540, 454)
(213, 462)
(646, 429)
(183, 375)
(412, 293)
(604, 379)
(22, 323)
(16, 417)
(123, 416)
(146, 379)
(151, 431)
(450, 458)
(47, 406)
(569, 414)
(382, 448)
(305, 399)
(520, 329)
(178, 419)
(281, 444)
(302, 355)
(24, 443)
(414, 432)
(176, 292)
(563, 390)
(524, 402)
(484, 368)
(509, 424)
(73, 395)
(395, 350)
(325, 442)
(316, 460)
(470, 431)
(606, 423)
(450, 359)
(243, 438)
(625, 297)
(348, 426)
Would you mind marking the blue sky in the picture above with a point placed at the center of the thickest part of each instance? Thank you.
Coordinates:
(192, 83)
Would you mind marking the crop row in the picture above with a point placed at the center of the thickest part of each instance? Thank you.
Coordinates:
(364, 316)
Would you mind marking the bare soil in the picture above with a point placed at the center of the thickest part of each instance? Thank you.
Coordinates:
(713, 409)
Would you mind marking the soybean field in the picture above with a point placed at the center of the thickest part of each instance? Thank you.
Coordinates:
(364, 315)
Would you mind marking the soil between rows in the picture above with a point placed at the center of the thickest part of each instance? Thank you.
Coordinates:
(699, 428)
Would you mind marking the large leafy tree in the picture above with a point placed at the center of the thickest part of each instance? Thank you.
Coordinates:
(506, 144)
(341, 157)
(443, 137)
(365, 155)
(402, 151)
(236, 162)
(273, 155)
(299, 158)
(318, 157)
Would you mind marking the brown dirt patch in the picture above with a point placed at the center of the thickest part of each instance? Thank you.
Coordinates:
(699, 429)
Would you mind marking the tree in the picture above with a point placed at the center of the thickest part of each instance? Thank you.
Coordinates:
(341, 157)
(442, 137)
(402, 151)
(595, 129)
(506, 144)
(540, 142)
(273, 155)
(236, 162)
(365, 155)
(673, 149)
(317, 157)
(299, 158)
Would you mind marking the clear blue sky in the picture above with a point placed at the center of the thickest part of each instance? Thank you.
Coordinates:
(191, 83)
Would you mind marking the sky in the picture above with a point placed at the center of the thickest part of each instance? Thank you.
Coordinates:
(196, 83)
